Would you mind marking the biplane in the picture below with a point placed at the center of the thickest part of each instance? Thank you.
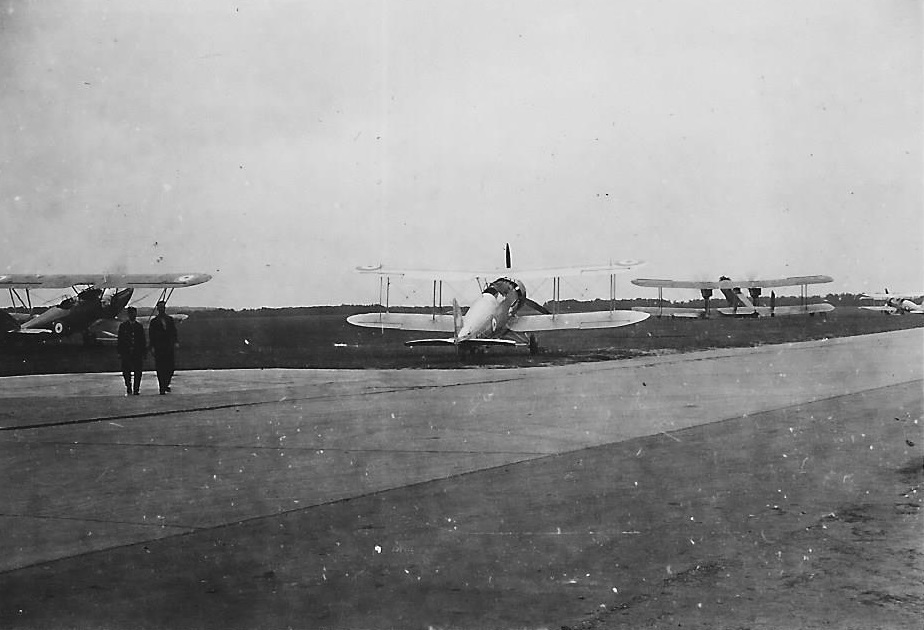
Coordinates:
(895, 303)
(737, 303)
(499, 316)
(91, 311)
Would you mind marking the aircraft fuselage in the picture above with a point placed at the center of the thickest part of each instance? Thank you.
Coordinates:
(904, 305)
(488, 316)
(76, 314)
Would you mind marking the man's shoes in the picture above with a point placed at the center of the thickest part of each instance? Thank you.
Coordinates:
(167, 388)
(162, 392)
(135, 394)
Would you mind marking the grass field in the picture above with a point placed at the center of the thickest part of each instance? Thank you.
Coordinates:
(321, 338)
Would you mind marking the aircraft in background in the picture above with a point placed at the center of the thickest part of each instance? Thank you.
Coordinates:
(895, 303)
(495, 318)
(738, 304)
(93, 309)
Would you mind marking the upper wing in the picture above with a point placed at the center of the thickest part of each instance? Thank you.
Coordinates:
(482, 274)
(428, 274)
(568, 321)
(732, 284)
(887, 296)
(133, 280)
(589, 270)
(404, 321)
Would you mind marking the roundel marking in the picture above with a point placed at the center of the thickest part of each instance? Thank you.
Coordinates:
(58, 328)
(493, 324)
(185, 278)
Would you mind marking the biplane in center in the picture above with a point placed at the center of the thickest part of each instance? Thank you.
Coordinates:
(737, 303)
(500, 316)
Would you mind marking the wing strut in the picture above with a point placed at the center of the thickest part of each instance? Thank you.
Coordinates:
(612, 292)
(166, 294)
(556, 295)
(440, 293)
(16, 297)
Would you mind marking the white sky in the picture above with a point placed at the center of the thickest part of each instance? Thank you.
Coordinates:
(278, 145)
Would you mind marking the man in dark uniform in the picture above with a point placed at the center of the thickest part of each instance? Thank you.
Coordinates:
(162, 331)
(132, 347)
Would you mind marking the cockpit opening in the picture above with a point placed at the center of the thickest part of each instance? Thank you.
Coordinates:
(502, 287)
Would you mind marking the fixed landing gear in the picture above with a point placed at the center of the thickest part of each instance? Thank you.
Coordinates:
(470, 352)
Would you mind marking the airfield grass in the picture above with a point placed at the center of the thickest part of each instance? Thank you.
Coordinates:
(321, 338)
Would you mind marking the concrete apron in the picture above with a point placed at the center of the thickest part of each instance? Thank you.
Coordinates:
(102, 477)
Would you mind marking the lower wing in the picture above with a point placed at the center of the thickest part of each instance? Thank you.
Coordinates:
(571, 321)
(30, 332)
(404, 321)
(779, 311)
(108, 329)
(690, 313)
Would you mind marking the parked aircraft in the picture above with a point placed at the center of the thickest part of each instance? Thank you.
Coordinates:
(895, 303)
(495, 318)
(91, 311)
(739, 305)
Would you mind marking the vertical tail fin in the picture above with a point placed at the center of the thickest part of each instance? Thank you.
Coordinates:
(456, 317)
(7, 322)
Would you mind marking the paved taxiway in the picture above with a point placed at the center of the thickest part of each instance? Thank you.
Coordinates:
(408, 498)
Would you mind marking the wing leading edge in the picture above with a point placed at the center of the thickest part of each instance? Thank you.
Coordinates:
(521, 274)
(103, 281)
(419, 322)
(732, 284)
(575, 321)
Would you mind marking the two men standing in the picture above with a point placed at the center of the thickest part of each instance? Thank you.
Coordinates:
(132, 347)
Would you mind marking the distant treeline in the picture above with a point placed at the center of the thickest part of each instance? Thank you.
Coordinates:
(840, 299)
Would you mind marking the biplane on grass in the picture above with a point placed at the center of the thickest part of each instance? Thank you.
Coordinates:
(738, 303)
(894, 303)
(503, 314)
(91, 311)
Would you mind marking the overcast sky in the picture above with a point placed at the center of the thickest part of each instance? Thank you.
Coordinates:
(277, 145)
